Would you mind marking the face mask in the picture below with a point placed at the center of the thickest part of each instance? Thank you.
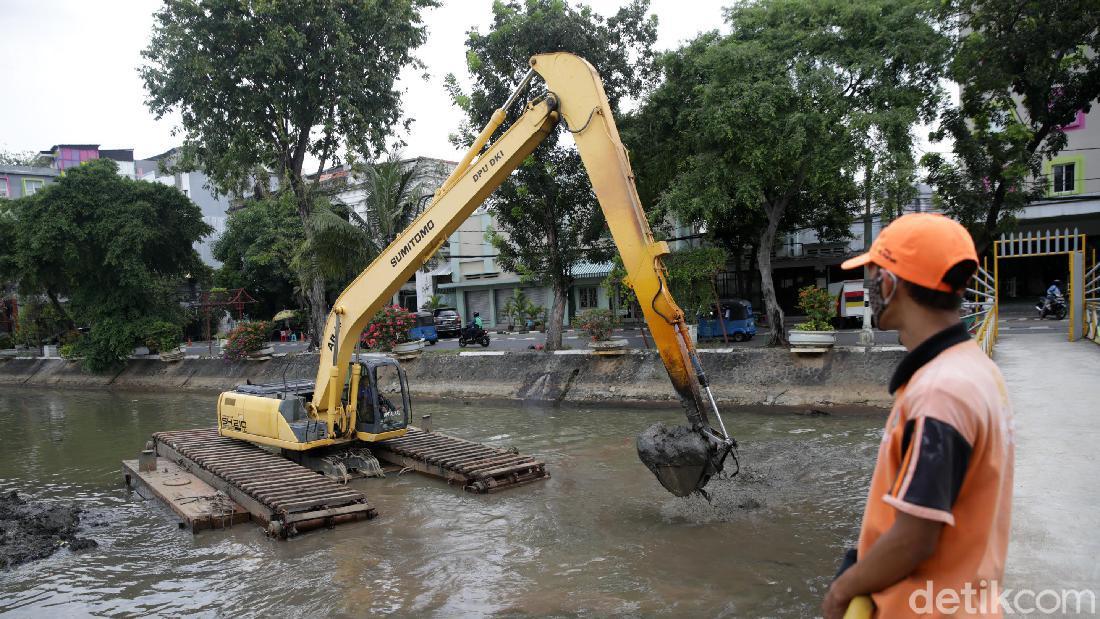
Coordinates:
(874, 294)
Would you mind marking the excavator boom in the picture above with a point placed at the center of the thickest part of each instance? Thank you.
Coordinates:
(683, 459)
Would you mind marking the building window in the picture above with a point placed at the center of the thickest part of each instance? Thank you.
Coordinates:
(1066, 175)
(1063, 177)
(32, 185)
(587, 297)
(5, 187)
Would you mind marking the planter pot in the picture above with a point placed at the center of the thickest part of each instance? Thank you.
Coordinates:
(608, 348)
(812, 339)
(49, 350)
(141, 350)
(408, 350)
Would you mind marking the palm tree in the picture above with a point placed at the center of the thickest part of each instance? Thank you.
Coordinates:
(394, 199)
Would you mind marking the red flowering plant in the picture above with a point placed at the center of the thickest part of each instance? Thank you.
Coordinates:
(388, 328)
(246, 337)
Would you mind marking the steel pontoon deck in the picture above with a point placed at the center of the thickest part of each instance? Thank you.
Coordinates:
(476, 467)
(284, 497)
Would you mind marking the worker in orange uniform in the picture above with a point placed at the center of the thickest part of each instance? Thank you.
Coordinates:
(936, 526)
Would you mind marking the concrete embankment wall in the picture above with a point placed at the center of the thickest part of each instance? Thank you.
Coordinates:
(841, 377)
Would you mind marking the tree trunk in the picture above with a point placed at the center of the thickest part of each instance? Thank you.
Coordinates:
(70, 324)
(778, 335)
(557, 316)
(315, 287)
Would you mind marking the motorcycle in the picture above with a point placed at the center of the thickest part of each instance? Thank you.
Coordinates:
(1055, 307)
(473, 334)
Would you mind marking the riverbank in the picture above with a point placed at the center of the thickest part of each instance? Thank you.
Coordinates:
(744, 377)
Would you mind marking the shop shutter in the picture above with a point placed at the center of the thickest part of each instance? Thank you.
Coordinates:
(477, 301)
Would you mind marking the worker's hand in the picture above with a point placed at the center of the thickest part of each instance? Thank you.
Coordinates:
(836, 602)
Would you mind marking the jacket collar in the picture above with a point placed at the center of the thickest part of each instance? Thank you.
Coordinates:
(928, 350)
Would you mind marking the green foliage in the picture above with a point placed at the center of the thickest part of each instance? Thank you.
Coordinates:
(1024, 73)
(598, 323)
(389, 327)
(39, 323)
(764, 130)
(161, 335)
(68, 351)
(267, 85)
(433, 303)
(520, 309)
(546, 217)
(26, 158)
(257, 250)
(691, 274)
(819, 307)
(115, 247)
(6, 341)
(246, 337)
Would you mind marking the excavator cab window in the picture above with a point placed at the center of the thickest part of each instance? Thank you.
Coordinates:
(384, 403)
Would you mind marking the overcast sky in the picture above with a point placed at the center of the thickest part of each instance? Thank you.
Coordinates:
(72, 70)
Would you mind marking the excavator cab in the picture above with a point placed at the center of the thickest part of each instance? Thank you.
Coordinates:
(383, 402)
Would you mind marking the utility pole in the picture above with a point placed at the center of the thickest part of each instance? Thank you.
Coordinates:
(866, 334)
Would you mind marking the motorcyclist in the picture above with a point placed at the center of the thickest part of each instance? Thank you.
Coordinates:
(475, 328)
(1053, 293)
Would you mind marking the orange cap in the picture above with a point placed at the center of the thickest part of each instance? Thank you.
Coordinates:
(919, 248)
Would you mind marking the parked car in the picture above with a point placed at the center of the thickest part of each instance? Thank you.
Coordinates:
(425, 328)
(447, 322)
(737, 319)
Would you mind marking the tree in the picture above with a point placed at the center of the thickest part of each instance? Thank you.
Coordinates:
(765, 130)
(264, 85)
(25, 158)
(395, 198)
(1025, 69)
(257, 252)
(546, 217)
(116, 248)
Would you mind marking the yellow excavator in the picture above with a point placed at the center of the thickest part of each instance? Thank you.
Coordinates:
(346, 403)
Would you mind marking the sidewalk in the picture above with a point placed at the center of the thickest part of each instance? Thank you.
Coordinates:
(1055, 390)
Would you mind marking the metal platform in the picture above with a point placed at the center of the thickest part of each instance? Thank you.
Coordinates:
(285, 497)
(476, 467)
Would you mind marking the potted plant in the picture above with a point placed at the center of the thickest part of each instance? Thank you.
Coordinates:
(599, 324)
(388, 331)
(248, 340)
(816, 331)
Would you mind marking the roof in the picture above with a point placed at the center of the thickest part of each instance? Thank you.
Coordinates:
(165, 154)
(118, 154)
(23, 170)
(54, 148)
(590, 269)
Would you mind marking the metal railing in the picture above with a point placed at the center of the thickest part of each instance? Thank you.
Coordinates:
(980, 310)
(1091, 326)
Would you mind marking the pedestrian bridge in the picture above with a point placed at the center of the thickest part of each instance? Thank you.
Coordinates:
(1054, 385)
(983, 308)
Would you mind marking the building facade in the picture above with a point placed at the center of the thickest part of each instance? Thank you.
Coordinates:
(19, 181)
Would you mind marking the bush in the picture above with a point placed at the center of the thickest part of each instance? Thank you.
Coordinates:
(819, 307)
(6, 341)
(67, 351)
(108, 342)
(160, 336)
(388, 328)
(597, 323)
(246, 337)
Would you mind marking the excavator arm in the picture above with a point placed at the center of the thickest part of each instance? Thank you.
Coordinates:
(682, 461)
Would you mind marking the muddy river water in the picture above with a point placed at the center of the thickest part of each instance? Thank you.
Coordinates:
(599, 538)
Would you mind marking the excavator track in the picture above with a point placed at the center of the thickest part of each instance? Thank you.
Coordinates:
(477, 468)
(285, 497)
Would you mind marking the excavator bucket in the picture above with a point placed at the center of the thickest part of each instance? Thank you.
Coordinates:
(682, 458)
